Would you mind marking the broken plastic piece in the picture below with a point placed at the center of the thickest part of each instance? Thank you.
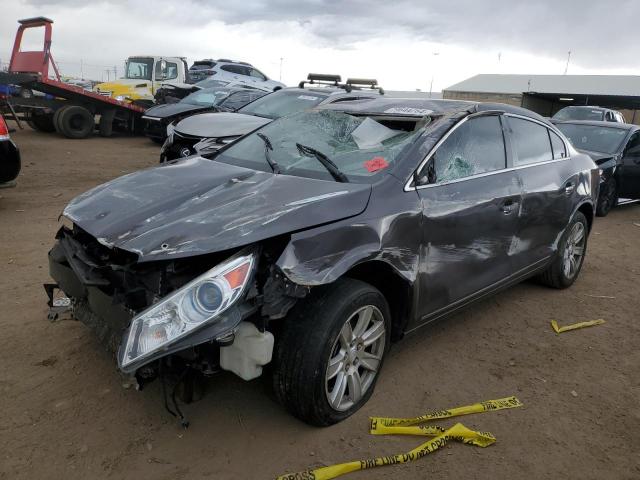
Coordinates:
(575, 326)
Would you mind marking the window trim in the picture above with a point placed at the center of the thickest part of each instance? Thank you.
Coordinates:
(408, 187)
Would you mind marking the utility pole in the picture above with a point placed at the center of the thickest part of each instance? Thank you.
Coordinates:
(115, 73)
(433, 68)
(81, 72)
(566, 68)
(281, 59)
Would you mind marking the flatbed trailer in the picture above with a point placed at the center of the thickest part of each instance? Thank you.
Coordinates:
(67, 109)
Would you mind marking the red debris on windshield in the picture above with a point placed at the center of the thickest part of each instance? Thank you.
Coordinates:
(375, 164)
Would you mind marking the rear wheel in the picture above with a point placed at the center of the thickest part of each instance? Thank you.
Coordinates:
(75, 121)
(571, 251)
(42, 122)
(608, 198)
(331, 350)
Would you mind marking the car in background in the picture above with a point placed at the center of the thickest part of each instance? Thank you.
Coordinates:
(316, 241)
(210, 131)
(158, 117)
(9, 157)
(233, 72)
(581, 112)
(615, 147)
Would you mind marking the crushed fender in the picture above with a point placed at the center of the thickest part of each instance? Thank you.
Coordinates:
(407, 426)
(575, 326)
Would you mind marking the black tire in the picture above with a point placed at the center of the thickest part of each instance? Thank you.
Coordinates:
(309, 338)
(76, 122)
(43, 122)
(608, 198)
(556, 275)
(106, 123)
(56, 119)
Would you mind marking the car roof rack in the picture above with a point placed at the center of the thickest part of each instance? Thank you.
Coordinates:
(225, 60)
(359, 83)
(244, 63)
(321, 79)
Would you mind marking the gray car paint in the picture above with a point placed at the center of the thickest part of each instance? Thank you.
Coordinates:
(447, 245)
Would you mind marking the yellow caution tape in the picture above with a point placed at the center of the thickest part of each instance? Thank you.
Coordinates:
(575, 326)
(458, 433)
(407, 426)
(489, 405)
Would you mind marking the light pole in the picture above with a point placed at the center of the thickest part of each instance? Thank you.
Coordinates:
(435, 54)
(281, 59)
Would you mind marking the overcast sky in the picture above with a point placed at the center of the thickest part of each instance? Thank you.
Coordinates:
(402, 43)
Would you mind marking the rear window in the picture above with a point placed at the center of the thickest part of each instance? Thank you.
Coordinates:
(283, 102)
(579, 113)
(532, 143)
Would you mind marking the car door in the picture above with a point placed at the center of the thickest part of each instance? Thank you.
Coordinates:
(470, 204)
(548, 182)
(629, 175)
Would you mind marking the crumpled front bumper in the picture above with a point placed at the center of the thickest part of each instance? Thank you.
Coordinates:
(110, 319)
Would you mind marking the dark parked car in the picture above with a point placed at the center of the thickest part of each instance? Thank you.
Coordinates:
(159, 117)
(9, 157)
(323, 237)
(615, 147)
(582, 112)
(209, 131)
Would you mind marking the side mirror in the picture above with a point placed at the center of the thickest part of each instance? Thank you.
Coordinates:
(163, 70)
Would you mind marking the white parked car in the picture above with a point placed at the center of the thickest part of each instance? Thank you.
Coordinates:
(236, 73)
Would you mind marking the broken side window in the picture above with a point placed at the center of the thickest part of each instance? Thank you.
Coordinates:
(476, 146)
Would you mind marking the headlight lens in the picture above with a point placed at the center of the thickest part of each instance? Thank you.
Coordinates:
(191, 307)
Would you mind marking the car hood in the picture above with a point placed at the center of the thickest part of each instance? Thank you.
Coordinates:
(222, 124)
(198, 206)
(170, 109)
(598, 157)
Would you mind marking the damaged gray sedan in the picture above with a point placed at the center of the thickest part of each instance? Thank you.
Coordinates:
(314, 242)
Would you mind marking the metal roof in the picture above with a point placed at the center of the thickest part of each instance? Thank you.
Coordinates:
(614, 85)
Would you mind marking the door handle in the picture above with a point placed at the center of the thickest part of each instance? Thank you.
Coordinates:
(569, 188)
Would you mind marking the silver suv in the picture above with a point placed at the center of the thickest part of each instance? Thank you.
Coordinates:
(585, 112)
(236, 73)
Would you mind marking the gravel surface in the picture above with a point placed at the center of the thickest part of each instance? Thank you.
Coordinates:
(65, 414)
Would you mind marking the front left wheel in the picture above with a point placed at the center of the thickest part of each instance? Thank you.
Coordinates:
(330, 351)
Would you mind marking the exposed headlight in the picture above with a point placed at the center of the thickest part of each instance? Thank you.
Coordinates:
(189, 308)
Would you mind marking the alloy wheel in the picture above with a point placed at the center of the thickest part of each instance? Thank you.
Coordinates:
(355, 358)
(574, 250)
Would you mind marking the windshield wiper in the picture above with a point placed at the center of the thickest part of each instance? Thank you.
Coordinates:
(331, 167)
(267, 155)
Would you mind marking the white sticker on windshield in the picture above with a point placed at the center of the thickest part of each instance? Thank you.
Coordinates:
(409, 110)
(307, 97)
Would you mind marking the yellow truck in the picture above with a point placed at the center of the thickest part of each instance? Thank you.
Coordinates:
(143, 76)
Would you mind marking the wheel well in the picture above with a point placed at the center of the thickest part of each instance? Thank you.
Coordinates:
(396, 290)
(587, 210)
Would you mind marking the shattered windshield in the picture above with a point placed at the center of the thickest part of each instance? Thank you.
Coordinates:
(205, 98)
(360, 147)
(593, 138)
(283, 102)
(139, 68)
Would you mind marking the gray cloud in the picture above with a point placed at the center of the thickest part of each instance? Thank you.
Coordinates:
(600, 34)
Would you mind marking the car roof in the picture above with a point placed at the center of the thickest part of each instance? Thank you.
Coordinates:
(229, 89)
(590, 107)
(598, 123)
(418, 107)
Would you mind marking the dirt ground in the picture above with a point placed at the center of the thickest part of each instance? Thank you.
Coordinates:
(65, 414)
